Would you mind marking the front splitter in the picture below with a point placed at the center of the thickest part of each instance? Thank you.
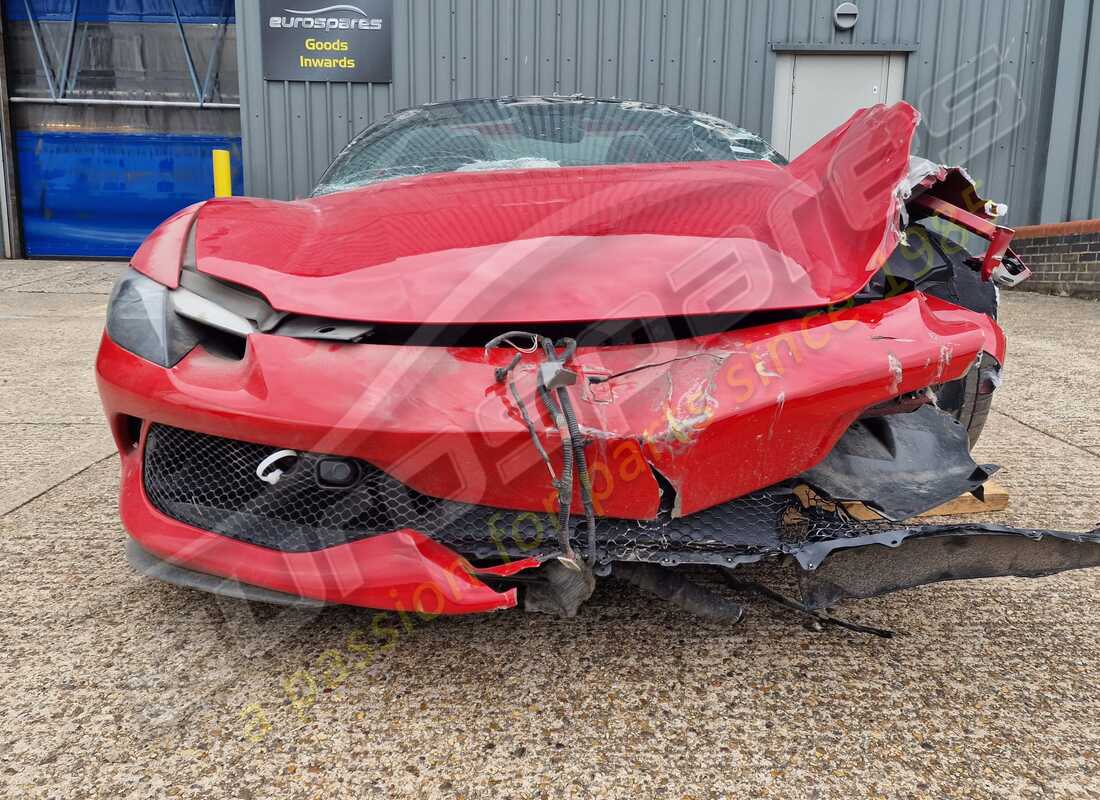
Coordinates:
(905, 557)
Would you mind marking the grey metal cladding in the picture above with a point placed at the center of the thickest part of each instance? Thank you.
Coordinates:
(1071, 188)
(981, 73)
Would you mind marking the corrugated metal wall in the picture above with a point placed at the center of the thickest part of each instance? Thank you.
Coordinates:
(980, 72)
(11, 244)
(1071, 189)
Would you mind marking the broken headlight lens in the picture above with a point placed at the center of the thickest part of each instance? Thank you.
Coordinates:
(140, 318)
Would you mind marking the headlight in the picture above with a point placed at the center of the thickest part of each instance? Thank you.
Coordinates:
(140, 318)
(163, 325)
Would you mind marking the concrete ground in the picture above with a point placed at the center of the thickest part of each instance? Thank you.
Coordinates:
(116, 686)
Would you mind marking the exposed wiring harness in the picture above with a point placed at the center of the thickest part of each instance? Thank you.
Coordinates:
(553, 380)
(564, 485)
(816, 618)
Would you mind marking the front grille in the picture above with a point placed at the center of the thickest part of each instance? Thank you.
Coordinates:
(210, 482)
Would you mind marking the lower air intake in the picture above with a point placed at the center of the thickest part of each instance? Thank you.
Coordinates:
(210, 482)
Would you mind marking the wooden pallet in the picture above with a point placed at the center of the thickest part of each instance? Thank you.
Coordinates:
(993, 497)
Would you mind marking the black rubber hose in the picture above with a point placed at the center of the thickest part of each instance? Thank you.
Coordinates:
(580, 462)
(572, 445)
(548, 349)
(678, 590)
(522, 406)
(794, 605)
(575, 442)
(565, 482)
(570, 346)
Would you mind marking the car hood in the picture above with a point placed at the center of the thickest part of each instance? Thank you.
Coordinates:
(575, 244)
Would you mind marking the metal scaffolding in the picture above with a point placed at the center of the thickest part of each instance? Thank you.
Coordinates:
(60, 85)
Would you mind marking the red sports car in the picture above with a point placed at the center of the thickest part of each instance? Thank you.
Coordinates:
(509, 346)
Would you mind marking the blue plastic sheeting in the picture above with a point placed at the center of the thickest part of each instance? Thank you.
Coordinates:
(100, 194)
(122, 10)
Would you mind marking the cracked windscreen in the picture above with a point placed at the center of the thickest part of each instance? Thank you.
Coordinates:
(477, 135)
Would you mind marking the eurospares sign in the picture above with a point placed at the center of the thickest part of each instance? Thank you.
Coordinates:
(311, 40)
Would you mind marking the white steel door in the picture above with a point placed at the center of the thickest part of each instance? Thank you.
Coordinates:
(815, 92)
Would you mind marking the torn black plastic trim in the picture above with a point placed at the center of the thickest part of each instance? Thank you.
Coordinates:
(901, 465)
(869, 566)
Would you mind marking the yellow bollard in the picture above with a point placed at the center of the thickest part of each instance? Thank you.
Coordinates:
(223, 178)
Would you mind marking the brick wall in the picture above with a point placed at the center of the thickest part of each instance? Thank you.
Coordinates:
(1064, 257)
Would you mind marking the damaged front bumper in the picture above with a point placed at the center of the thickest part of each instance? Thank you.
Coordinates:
(401, 570)
(836, 557)
(328, 426)
(724, 451)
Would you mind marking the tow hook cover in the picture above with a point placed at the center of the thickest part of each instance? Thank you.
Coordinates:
(337, 473)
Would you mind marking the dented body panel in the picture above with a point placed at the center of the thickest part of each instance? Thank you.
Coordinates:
(719, 416)
(354, 422)
(582, 243)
